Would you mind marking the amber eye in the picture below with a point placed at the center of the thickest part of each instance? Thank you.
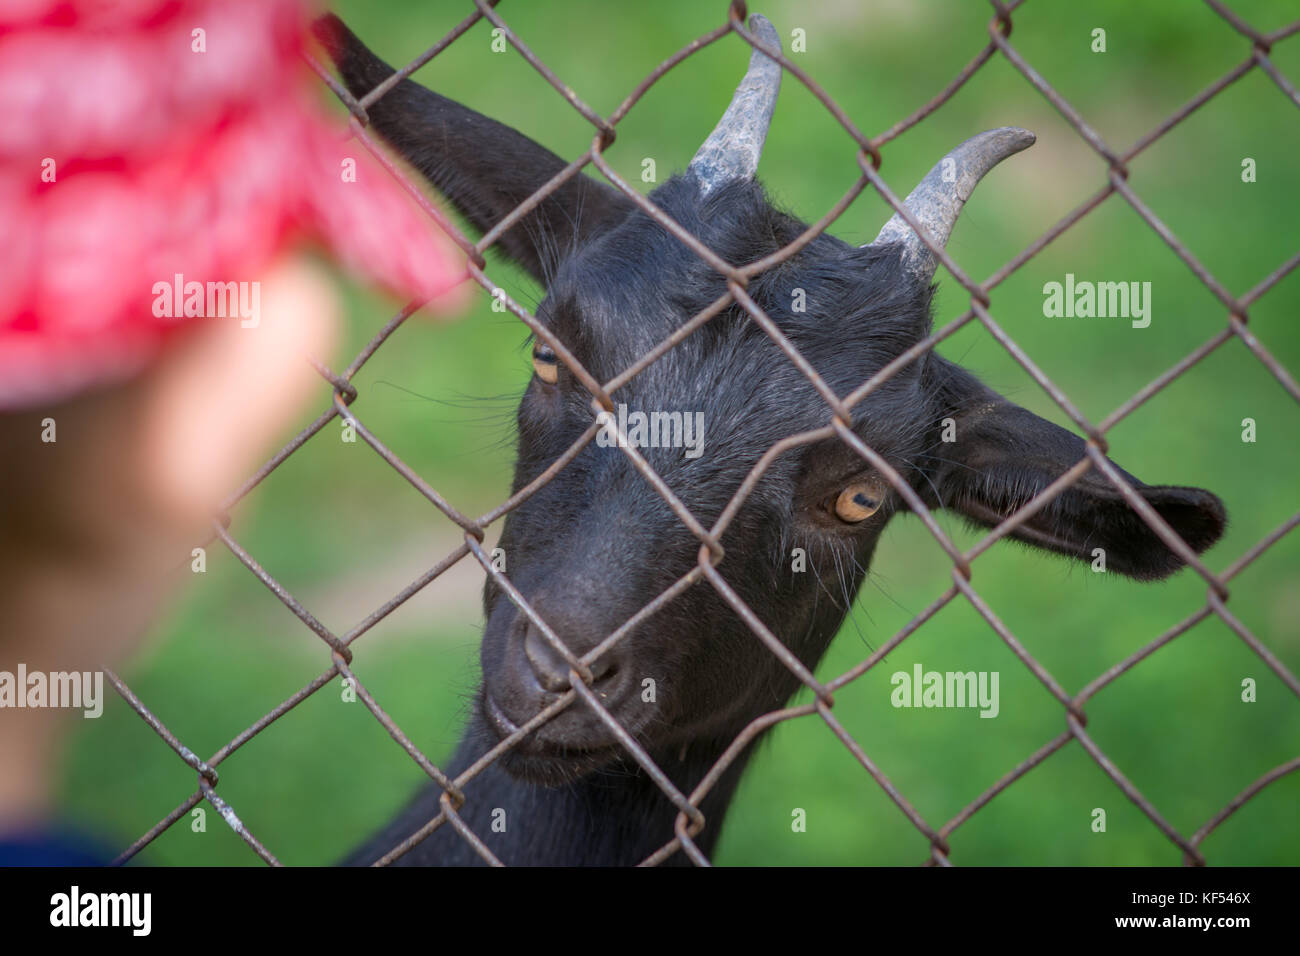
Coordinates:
(546, 364)
(859, 501)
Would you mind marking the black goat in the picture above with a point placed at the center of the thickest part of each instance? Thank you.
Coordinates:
(597, 543)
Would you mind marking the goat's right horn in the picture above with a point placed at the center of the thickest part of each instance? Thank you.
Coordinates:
(732, 150)
(937, 201)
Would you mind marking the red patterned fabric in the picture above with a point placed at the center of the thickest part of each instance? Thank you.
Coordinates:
(168, 161)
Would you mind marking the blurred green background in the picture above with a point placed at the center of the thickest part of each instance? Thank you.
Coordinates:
(343, 532)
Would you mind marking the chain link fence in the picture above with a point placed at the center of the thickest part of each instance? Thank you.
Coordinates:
(690, 820)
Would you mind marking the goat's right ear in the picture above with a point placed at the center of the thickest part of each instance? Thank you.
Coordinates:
(484, 168)
(1001, 455)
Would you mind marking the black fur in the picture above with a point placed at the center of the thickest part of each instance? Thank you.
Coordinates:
(597, 542)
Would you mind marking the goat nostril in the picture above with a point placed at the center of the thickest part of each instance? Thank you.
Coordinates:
(550, 667)
(551, 670)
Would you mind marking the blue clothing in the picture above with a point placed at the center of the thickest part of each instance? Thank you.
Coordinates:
(52, 847)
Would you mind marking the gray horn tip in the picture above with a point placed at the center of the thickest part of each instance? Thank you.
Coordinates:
(731, 152)
(762, 28)
(938, 200)
(985, 150)
(1015, 138)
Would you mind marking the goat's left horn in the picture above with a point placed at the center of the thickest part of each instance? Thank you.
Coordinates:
(732, 150)
(937, 201)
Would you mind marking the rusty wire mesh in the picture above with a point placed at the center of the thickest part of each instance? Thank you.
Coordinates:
(690, 820)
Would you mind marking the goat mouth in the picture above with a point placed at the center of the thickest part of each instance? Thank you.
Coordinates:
(547, 761)
(502, 724)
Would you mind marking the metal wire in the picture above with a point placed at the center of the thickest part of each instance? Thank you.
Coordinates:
(690, 820)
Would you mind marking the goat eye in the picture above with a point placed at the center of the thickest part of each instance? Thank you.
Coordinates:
(858, 502)
(546, 364)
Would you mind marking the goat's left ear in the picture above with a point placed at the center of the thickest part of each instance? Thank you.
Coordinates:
(1003, 455)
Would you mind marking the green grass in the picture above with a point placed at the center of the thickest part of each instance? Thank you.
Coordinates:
(342, 531)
